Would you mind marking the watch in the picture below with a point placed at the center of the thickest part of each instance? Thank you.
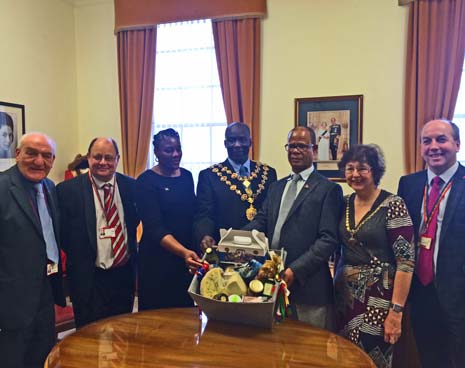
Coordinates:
(396, 307)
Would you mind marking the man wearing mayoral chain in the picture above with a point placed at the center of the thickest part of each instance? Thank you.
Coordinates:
(230, 193)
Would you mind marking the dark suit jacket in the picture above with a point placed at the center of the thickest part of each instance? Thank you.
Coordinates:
(79, 237)
(219, 207)
(23, 255)
(450, 268)
(309, 235)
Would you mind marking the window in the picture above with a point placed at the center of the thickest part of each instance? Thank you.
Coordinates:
(459, 117)
(188, 94)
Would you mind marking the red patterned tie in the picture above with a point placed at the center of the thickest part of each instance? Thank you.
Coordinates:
(118, 245)
(425, 260)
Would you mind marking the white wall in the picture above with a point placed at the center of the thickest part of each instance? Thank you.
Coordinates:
(331, 48)
(97, 70)
(310, 49)
(38, 69)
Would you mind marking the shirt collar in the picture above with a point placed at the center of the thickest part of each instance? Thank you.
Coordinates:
(236, 166)
(99, 183)
(446, 175)
(305, 173)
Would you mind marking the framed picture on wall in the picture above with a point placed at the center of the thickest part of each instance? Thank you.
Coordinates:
(12, 126)
(337, 123)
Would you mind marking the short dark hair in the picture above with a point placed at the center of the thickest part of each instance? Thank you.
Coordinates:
(162, 134)
(238, 124)
(5, 119)
(310, 131)
(370, 154)
(92, 142)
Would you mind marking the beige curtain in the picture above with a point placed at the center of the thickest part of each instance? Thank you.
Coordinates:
(136, 71)
(237, 46)
(435, 53)
(135, 23)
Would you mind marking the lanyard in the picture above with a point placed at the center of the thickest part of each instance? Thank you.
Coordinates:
(428, 217)
(94, 187)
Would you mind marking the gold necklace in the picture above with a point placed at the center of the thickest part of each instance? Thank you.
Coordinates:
(353, 240)
(226, 175)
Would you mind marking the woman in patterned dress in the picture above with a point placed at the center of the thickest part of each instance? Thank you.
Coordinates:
(376, 262)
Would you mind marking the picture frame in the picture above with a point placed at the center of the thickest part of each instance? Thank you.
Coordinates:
(337, 122)
(12, 127)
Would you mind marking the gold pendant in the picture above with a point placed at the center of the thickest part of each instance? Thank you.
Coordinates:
(250, 212)
(248, 191)
(246, 183)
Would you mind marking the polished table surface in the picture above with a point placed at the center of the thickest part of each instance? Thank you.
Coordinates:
(181, 338)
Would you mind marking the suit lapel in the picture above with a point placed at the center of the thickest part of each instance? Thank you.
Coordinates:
(23, 199)
(124, 198)
(89, 210)
(417, 199)
(456, 192)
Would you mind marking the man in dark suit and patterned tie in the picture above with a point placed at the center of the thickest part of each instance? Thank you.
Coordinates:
(435, 199)
(301, 214)
(99, 222)
(30, 277)
(230, 193)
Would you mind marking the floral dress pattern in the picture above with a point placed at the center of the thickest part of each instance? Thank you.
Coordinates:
(365, 272)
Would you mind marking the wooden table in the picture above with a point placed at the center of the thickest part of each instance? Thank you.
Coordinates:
(180, 338)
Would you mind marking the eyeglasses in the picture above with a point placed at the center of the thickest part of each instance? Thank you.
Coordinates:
(107, 158)
(297, 146)
(362, 170)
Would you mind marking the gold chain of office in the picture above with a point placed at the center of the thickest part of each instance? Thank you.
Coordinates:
(353, 232)
(226, 175)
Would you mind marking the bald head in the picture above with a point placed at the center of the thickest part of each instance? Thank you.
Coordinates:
(103, 158)
(237, 142)
(35, 156)
(440, 142)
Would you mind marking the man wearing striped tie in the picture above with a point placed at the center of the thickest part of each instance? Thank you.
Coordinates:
(99, 222)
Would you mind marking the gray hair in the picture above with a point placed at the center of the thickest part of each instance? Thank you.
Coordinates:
(50, 141)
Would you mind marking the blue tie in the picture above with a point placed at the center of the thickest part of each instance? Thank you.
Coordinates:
(47, 225)
(243, 171)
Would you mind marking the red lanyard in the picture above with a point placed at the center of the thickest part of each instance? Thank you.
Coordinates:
(94, 187)
(428, 217)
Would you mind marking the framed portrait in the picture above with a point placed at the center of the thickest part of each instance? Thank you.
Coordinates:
(12, 126)
(337, 123)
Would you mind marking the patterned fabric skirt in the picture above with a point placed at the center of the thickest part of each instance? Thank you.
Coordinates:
(363, 295)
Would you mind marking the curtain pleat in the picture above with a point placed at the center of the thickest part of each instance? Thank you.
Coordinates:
(237, 47)
(435, 54)
(136, 71)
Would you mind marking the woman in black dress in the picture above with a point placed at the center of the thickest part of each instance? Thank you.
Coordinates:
(166, 203)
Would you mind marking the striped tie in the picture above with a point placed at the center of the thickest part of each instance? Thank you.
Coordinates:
(120, 251)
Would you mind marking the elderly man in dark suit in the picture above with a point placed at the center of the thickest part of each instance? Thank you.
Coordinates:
(230, 193)
(99, 222)
(435, 199)
(30, 277)
(301, 214)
